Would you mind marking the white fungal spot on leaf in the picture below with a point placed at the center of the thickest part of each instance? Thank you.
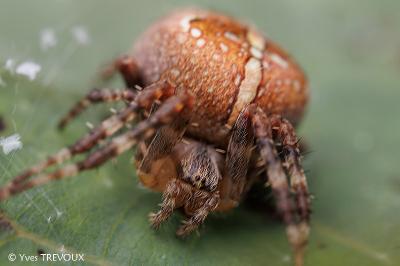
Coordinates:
(11, 143)
(81, 35)
(9, 65)
(47, 39)
(29, 69)
(59, 213)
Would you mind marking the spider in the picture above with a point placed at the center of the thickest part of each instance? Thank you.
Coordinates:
(212, 102)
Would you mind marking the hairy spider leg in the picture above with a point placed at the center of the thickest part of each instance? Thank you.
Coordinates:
(107, 128)
(96, 96)
(175, 195)
(206, 202)
(199, 167)
(179, 193)
(291, 146)
(129, 70)
(286, 134)
(297, 232)
(196, 190)
(143, 130)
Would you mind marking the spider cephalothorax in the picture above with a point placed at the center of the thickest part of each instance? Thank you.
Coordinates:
(217, 99)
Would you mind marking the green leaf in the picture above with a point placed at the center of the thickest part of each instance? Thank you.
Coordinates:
(351, 54)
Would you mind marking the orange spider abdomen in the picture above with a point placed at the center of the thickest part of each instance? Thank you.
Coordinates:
(226, 65)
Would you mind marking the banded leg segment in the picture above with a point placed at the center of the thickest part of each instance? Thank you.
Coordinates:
(206, 202)
(107, 128)
(175, 195)
(286, 134)
(201, 167)
(297, 232)
(196, 190)
(96, 96)
(276, 175)
(127, 66)
(143, 130)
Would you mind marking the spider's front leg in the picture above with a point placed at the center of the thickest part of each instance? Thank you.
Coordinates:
(96, 96)
(196, 190)
(145, 129)
(107, 128)
(202, 203)
(129, 70)
(175, 195)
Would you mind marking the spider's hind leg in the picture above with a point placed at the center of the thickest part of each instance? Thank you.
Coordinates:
(295, 215)
(286, 134)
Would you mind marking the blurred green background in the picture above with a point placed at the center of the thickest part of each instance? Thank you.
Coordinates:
(351, 53)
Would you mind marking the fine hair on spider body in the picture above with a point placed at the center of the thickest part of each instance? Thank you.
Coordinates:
(210, 101)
